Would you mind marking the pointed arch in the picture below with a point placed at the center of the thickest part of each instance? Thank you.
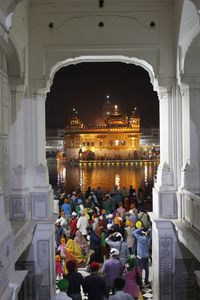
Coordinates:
(107, 58)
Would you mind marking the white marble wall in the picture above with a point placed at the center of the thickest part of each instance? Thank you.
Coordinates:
(34, 52)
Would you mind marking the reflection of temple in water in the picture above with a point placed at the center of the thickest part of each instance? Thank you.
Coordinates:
(118, 138)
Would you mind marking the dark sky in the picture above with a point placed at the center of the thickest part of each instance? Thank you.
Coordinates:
(84, 86)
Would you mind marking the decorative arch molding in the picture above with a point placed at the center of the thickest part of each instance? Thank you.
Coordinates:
(8, 6)
(197, 4)
(188, 32)
(105, 58)
(13, 61)
(191, 63)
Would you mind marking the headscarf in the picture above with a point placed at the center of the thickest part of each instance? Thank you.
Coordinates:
(74, 252)
(80, 240)
(63, 284)
(131, 262)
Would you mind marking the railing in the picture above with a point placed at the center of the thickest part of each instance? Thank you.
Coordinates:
(191, 208)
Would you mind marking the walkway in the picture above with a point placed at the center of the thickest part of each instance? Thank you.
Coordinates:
(146, 292)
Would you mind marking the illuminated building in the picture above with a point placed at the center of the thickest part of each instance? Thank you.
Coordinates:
(118, 138)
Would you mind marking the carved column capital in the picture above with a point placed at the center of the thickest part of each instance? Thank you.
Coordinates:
(18, 178)
(164, 175)
(41, 176)
(197, 4)
(190, 176)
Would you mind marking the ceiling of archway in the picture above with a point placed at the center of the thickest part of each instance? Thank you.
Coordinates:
(8, 6)
(192, 63)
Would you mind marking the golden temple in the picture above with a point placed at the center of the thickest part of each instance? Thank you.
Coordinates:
(118, 138)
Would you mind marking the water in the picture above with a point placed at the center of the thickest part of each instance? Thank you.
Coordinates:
(106, 177)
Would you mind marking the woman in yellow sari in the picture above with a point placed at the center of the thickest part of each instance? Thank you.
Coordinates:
(74, 252)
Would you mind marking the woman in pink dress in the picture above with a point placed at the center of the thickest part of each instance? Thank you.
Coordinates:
(130, 273)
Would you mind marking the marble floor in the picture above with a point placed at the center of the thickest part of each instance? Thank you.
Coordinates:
(146, 292)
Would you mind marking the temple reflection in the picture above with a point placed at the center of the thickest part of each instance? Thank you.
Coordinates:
(106, 176)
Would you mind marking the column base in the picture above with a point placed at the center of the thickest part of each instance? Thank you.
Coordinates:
(173, 264)
(39, 261)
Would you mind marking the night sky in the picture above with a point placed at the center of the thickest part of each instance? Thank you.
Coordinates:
(85, 86)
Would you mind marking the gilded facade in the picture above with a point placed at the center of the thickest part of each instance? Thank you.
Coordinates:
(118, 138)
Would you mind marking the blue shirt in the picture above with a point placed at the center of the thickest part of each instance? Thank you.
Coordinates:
(67, 209)
(120, 295)
(143, 243)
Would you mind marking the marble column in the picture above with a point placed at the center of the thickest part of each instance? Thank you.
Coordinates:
(6, 252)
(40, 263)
(19, 198)
(42, 200)
(174, 265)
(191, 137)
(164, 192)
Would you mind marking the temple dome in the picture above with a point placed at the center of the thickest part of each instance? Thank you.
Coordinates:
(116, 118)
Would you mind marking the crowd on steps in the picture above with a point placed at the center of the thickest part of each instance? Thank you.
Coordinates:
(107, 234)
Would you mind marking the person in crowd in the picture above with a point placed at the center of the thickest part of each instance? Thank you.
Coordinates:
(59, 269)
(63, 222)
(130, 274)
(144, 218)
(75, 280)
(82, 242)
(115, 240)
(132, 214)
(73, 225)
(119, 283)
(140, 199)
(62, 248)
(95, 284)
(121, 210)
(124, 194)
(107, 203)
(104, 234)
(63, 286)
(93, 199)
(99, 194)
(143, 244)
(82, 223)
(95, 243)
(73, 200)
(58, 232)
(88, 191)
(116, 196)
(112, 268)
(119, 225)
(74, 252)
(130, 240)
(67, 208)
(131, 195)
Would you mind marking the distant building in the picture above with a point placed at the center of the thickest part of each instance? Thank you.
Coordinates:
(119, 137)
(150, 138)
(54, 141)
(149, 141)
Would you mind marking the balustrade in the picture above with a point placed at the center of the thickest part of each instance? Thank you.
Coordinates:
(191, 208)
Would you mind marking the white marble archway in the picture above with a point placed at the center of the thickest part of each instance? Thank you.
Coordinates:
(104, 58)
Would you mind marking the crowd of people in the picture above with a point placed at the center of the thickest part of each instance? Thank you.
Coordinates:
(109, 235)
